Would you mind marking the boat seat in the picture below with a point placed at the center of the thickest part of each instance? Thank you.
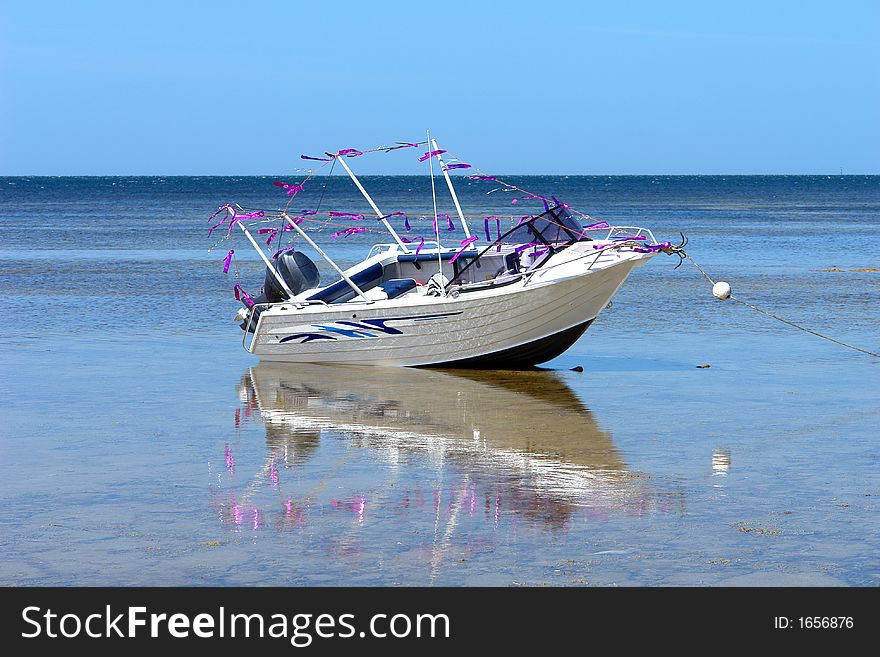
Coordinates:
(341, 291)
(396, 287)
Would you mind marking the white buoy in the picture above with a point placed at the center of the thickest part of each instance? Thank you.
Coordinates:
(721, 290)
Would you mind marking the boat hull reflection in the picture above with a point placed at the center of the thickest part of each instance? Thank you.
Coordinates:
(522, 434)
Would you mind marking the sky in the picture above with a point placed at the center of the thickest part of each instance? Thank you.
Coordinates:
(554, 87)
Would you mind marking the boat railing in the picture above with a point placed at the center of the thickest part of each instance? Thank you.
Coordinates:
(616, 232)
(633, 231)
(250, 320)
(382, 248)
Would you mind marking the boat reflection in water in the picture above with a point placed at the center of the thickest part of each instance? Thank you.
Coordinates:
(491, 446)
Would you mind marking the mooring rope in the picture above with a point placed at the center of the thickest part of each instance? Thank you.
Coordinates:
(769, 314)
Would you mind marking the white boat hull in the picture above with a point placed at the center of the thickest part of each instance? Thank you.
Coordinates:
(524, 323)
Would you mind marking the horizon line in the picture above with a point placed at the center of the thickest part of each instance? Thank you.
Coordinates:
(423, 175)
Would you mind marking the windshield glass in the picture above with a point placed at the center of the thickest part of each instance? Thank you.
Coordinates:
(525, 246)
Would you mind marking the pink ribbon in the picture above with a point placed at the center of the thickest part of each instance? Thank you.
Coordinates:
(229, 210)
(464, 245)
(431, 154)
(227, 260)
(241, 295)
(599, 225)
(410, 241)
(291, 188)
(349, 231)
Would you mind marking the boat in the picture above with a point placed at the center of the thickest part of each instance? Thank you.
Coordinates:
(517, 298)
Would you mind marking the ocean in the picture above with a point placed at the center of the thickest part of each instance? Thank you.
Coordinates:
(140, 445)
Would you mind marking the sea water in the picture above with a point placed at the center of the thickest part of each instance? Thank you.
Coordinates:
(140, 445)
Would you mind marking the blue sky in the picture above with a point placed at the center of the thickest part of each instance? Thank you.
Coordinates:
(104, 88)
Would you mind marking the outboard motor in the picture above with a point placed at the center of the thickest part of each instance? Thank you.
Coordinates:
(297, 270)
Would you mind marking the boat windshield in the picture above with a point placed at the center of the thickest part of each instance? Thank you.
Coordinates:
(524, 247)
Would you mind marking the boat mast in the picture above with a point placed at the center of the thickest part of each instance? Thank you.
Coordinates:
(436, 225)
(400, 242)
(317, 248)
(467, 232)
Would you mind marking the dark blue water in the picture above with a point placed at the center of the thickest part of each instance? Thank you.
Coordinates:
(140, 445)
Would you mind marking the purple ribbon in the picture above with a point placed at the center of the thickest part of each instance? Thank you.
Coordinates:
(237, 217)
(350, 152)
(464, 245)
(652, 248)
(348, 231)
(599, 225)
(528, 198)
(410, 241)
(460, 165)
(406, 224)
(241, 295)
(629, 237)
(318, 159)
(229, 210)
(523, 247)
(450, 226)
(282, 250)
(348, 215)
(227, 260)
(431, 154)
(393, 214)
(273, 232)
(486, 226)
(492, 178)
(232, 221)
(291, 188)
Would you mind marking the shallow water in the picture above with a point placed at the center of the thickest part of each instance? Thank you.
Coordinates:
(140, 445)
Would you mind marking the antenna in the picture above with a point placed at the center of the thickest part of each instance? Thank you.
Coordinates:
(436, 225)
(464, 225)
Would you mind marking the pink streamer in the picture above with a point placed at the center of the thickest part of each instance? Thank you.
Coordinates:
(228, 208)
(431, 154)
(464, 245)
(241, 295)
(599, 225)
(416, 237)
(348, 231)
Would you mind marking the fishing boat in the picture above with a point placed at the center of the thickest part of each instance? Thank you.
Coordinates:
(517, 298)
